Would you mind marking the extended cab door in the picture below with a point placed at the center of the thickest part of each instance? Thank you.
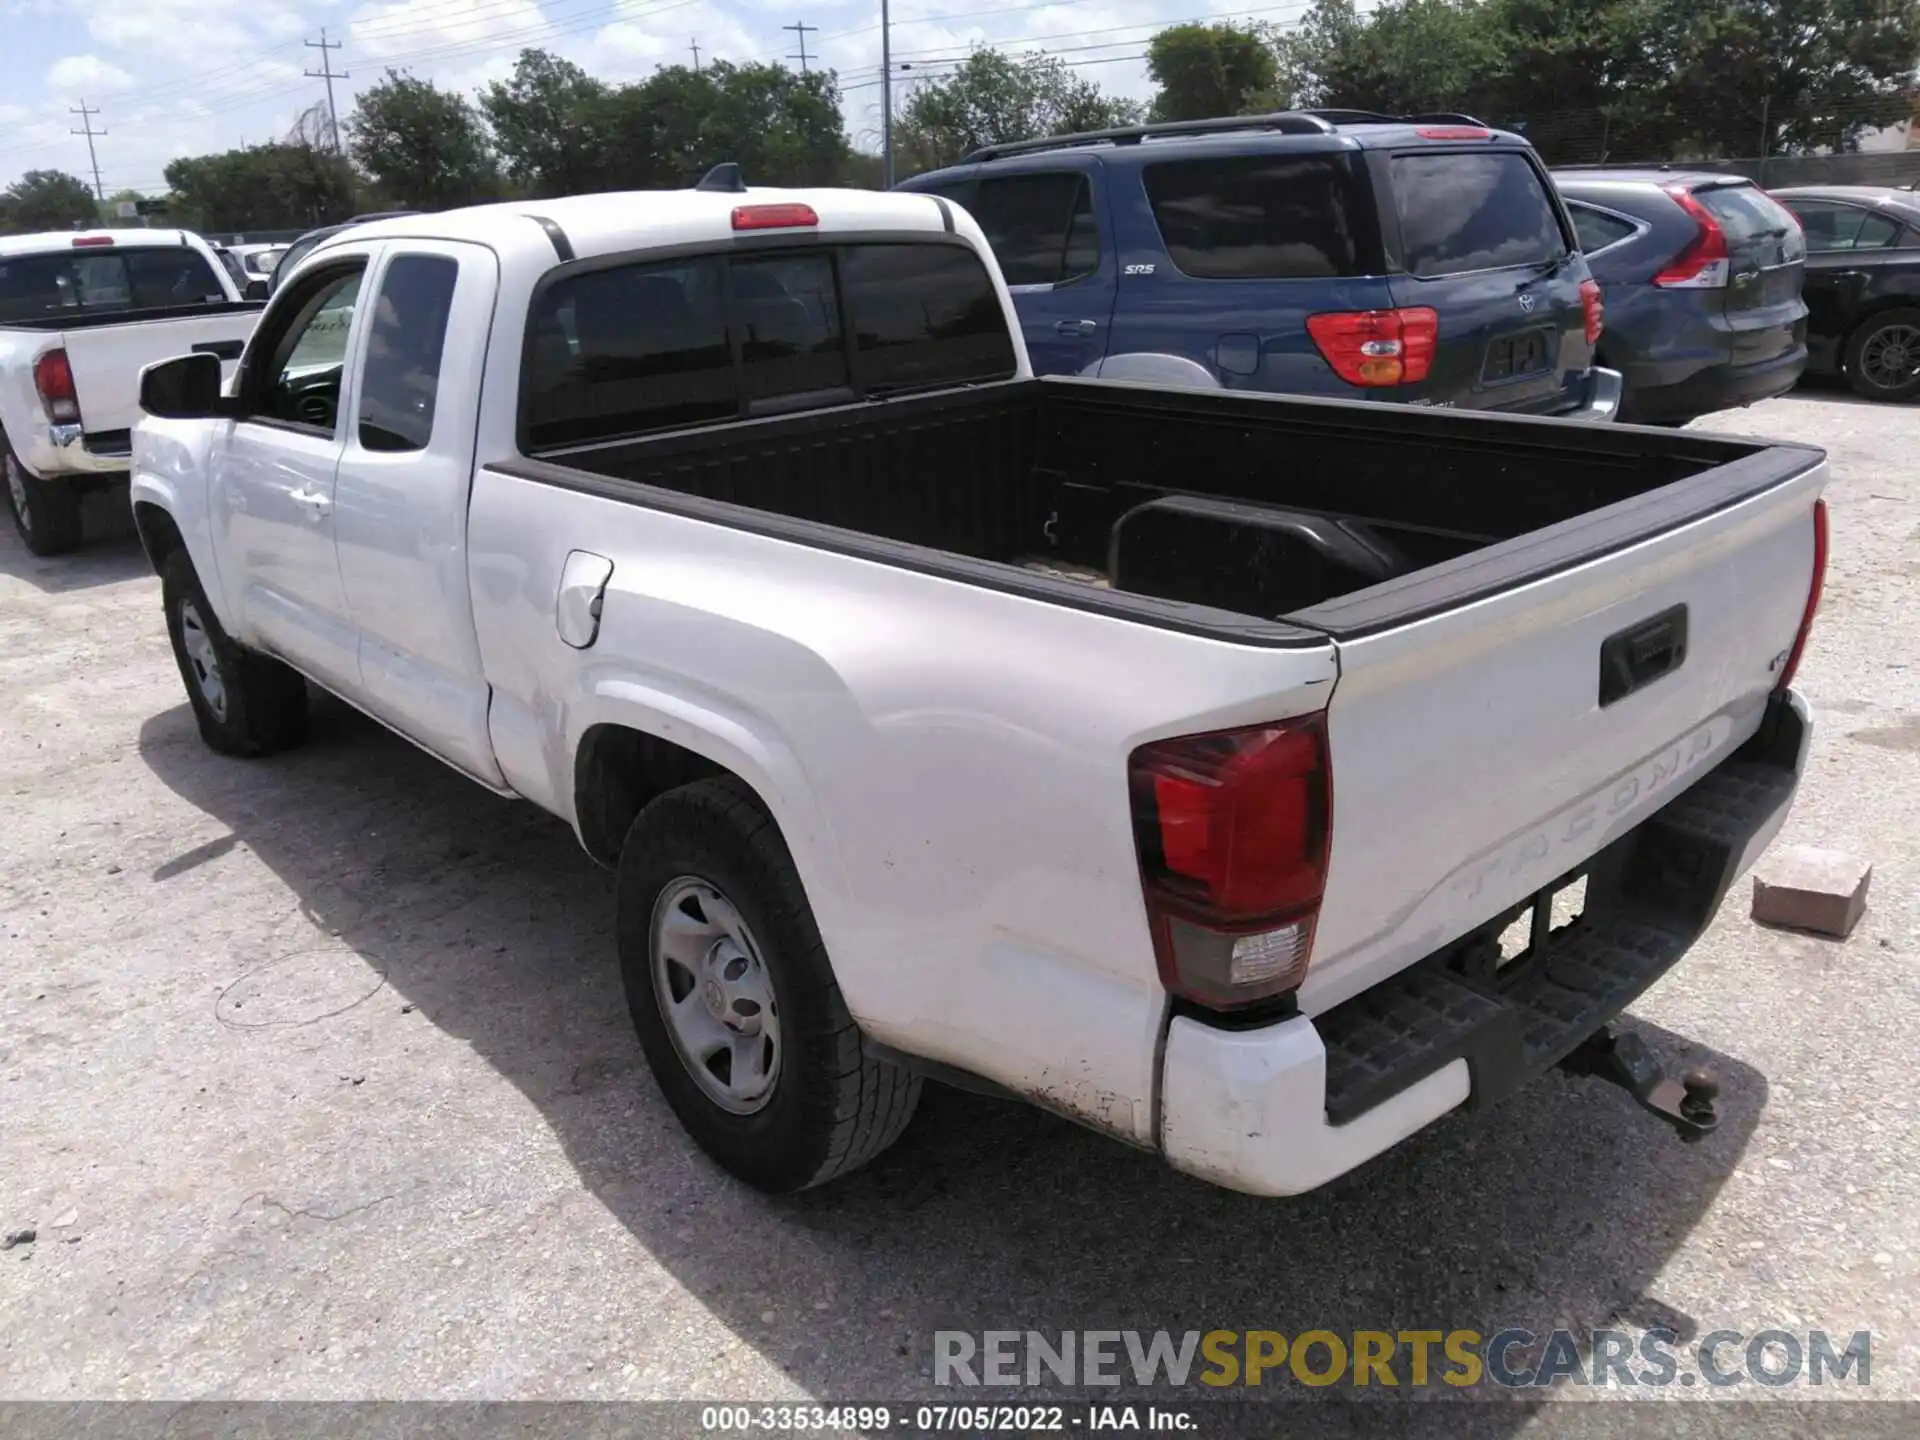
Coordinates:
(401, 498)
(272, 491)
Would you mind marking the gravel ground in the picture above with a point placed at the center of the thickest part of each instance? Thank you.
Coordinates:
(316, 1083)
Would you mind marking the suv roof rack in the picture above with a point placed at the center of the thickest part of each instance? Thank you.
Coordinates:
(1287, 122)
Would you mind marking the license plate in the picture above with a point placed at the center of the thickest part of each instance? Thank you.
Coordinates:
(1515, 355)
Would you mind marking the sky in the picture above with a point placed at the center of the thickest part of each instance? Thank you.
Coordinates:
(186, 77)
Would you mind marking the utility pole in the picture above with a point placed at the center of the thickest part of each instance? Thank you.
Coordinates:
(886, 99)
(801, 31)
(86, 122)
(327, 73)
(1766, 139)
(695, 47)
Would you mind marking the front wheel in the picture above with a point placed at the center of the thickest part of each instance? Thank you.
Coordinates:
(244, 703)
(734, 1000)
(46, 513)
(1883, 356)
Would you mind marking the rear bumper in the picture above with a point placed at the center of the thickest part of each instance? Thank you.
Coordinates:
(1719, 387)
(57, 452)
(1601, 403)
(1284, 1108)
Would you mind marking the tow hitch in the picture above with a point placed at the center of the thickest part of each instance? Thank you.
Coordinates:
(1625, 1060)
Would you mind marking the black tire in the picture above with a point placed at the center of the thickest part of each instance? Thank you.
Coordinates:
(257, 705)
(830, 1107)
(45, 512)
(1882, 347)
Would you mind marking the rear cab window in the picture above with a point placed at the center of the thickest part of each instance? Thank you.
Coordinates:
(1473, 210)
(92, 281)
(622, 351)
(1275, 216)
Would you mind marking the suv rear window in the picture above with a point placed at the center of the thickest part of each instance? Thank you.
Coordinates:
(1266, 217)
(33, 287)
(637, 349)
(1746, 212)
(1462, 211)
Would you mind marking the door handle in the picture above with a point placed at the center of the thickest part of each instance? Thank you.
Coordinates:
(312, 501)
(1075, 327)
(583, 590)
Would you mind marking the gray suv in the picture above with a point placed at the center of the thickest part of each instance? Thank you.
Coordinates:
(1701, 273)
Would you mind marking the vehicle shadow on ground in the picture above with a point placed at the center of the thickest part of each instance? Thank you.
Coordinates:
(109, 553)
(1559, 1208)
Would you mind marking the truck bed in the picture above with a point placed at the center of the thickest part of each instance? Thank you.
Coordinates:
(1198, 509)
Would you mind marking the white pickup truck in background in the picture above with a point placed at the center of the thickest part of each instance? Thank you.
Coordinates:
(80, 314)
(1176, 760)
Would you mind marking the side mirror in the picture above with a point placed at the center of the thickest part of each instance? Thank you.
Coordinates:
(256, 290)
(184, 388)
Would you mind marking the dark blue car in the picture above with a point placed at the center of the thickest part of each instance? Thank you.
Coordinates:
(1422, 259)
(1702, 276)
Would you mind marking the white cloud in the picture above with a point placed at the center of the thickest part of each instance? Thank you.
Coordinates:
(86, 75)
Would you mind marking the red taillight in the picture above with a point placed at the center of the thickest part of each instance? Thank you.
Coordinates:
(773, 217)
(1814, 588)
(1593, 310)
(1377, 347)
(82, 242)
(53, 378)
(1232, 829)
(1704, 264)
(1454, 132)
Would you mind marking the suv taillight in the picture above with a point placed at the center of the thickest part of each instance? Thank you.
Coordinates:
(1814, 588)
(1593, 310)
(1233, 829)
(53, 378)
(1704, 264)
(1377, 347)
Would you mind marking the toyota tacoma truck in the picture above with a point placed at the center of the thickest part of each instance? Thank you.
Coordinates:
(80, 314)
(1254, 779)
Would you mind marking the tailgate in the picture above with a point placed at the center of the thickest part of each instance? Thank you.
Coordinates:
(1474, 761)
(1766, 255)
(107, 359)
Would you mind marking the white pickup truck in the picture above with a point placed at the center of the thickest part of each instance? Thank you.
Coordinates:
(1177, 760)
(80, 314)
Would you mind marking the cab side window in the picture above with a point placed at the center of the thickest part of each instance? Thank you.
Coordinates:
(302, 364)
(1041, 226)
(406, 337)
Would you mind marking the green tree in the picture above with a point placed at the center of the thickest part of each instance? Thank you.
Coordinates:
(1403, 58)
(421, 145)
(541, 119)
(1209, 70)
(1819, 72)
(297, 181)
(48, 200)
(995, 99)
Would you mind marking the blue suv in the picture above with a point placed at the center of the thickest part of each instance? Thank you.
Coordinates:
(1424, 259)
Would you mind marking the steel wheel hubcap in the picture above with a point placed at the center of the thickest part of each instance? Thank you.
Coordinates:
(17, 488)
(715, 994)
(202, 659)
(1892, 355)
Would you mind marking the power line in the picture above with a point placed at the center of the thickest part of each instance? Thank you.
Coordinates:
(329, 74)
(802, 31)
(86, 121)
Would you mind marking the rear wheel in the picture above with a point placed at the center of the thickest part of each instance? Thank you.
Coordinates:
(245, 703)
(1883, 356)
(734, 1000)
(46, 513)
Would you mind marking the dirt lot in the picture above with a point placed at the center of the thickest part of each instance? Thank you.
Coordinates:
(315, 1082)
